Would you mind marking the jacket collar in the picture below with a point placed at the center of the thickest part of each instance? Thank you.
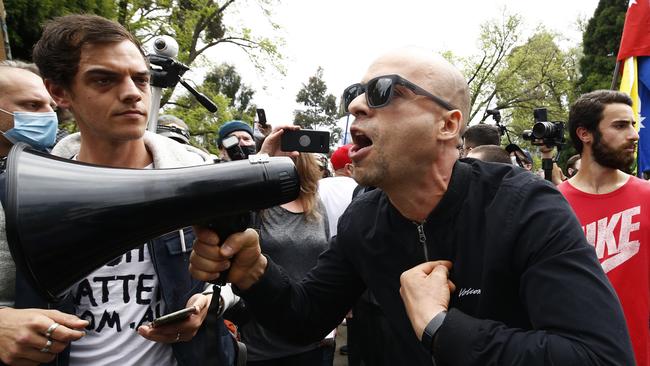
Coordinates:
(452, 199)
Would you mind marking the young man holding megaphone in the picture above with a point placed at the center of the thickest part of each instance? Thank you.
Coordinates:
(97, 69)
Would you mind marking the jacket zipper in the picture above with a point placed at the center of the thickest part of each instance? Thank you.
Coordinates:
(423, 239)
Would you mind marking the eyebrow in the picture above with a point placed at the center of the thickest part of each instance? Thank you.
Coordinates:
(623, 120)
(106, 72)
(35, 100)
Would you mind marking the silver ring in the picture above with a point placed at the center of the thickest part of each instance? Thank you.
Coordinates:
(46, 349)
(50, 330)
(178, 337)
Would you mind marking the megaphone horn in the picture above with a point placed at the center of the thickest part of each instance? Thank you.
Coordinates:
(65, 219)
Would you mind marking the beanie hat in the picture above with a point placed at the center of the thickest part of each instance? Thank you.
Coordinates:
(232, 126)
(341, 157)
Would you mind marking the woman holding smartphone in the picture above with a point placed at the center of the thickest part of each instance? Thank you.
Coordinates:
(293, 234)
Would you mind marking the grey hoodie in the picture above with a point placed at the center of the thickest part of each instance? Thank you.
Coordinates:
(166, 152)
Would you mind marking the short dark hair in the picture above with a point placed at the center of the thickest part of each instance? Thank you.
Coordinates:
(492, 153)
(587, 111)
(482, 134)
(571, 162)
(58, 51)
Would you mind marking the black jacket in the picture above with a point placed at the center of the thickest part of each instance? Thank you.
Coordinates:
(176, 286)
(530, 290)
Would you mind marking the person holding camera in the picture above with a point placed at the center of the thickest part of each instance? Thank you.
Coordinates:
(473, 263)
(614, 207)
(235, 141)
(295, 234)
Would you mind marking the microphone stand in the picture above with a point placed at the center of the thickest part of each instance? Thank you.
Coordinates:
(166, 73)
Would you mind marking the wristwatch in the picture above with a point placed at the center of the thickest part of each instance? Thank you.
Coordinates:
(431, 330)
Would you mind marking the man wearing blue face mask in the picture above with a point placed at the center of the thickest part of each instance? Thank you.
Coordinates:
(26, 113)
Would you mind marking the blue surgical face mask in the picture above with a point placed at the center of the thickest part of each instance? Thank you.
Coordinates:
(38, 129)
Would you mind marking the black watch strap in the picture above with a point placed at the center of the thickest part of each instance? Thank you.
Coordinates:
(431, 330)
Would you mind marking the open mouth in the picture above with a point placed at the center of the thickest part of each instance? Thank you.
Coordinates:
(360, 141)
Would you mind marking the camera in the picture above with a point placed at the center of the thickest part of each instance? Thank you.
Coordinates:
(544, 132)
(234, 151)
(165, 46)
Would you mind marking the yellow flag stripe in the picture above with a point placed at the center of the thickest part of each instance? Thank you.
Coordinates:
(630, 85)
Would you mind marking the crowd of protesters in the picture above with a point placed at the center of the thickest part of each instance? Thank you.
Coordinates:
(438, 245)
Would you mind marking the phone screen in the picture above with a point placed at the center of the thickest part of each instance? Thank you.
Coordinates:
(173, 317)
(261, 117)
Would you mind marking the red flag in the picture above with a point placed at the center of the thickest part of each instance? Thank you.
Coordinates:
(636, 31)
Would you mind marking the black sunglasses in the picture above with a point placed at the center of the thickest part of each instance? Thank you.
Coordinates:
(379, 92)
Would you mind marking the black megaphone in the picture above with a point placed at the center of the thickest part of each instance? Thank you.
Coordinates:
(65, 219)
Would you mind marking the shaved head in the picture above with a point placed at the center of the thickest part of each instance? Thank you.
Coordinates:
(20, 90)
(433, 73)
(11, 77)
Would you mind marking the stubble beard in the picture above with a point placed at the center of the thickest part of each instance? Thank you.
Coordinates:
(373, 174)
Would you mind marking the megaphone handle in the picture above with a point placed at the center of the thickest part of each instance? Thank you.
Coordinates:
(225, 227)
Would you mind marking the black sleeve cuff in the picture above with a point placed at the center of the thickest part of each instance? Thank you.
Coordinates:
(431, 330)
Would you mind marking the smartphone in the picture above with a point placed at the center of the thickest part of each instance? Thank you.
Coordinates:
(305, 141)
(261, 117)
(173, 317)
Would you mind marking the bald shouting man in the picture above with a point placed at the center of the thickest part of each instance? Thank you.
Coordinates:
(472, 263)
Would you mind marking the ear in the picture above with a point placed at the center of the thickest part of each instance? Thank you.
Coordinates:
(349, 169)
(584, 135)
(450, 125)
(61, 96)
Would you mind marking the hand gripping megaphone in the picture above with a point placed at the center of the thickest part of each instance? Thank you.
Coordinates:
(65, 219)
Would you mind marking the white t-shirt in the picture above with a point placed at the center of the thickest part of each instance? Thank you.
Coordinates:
(116, 299)
(336, 194)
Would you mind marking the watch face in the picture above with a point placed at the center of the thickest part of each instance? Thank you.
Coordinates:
(230, 141)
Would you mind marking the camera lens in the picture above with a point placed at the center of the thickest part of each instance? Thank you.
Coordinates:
(160, 44)
(543, 130)
(304, 141)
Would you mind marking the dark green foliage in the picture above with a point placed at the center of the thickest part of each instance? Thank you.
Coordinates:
(601, 40)
(320, 108)
(224, 87)
(224, 79)
(25, 19)
(198, 25)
